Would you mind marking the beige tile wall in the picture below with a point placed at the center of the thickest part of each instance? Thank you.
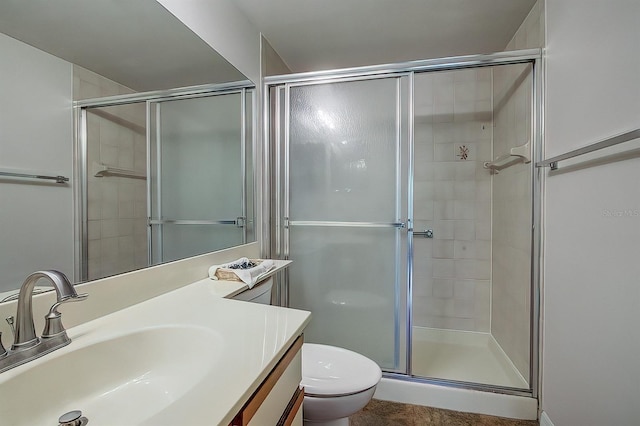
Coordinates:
(452, 196)
(116, 205)
(512, 210)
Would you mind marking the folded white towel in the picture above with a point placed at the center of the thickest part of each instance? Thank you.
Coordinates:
(248, 276)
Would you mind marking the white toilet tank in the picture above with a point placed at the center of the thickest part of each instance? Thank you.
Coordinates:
(261, 293)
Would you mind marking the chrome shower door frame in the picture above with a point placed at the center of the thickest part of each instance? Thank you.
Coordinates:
(81, 167)
(275, 86)
(154, 143)
(403, 219)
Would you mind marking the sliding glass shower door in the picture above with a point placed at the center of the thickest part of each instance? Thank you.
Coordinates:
(198, 186)
(343, 210)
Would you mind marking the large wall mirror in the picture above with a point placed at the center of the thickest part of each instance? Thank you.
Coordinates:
(156, 172)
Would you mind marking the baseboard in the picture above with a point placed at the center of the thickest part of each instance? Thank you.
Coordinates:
(545, 420)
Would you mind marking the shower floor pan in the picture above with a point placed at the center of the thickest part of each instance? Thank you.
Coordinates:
(463, 356)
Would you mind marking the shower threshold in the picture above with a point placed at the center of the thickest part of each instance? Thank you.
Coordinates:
(462, 356)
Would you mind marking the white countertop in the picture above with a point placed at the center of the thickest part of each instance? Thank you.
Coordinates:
(249, 340)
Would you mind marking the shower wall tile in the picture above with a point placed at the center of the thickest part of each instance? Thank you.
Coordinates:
(453, 276)
(463, 111)
(465, 289)
(109, 228)
(443, 268)
(464, 308)
(444, 209)
(95, 249)
(443, 288)
(441, 170)
(443, 112)
(94, 230)
(483, 231)
(444, 229)
(464, 230)
(125, 209)
(465, 88)
(443, 152)
(442, 249)
(444, 190)
(464, 171)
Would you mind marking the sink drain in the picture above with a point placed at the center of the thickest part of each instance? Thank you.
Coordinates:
(73, 418)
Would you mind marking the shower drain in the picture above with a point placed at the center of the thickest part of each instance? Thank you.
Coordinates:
(73, 418)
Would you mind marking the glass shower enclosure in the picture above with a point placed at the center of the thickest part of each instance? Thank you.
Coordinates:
(197, 163)
(164, 175)
(345, 162)
(406, 197)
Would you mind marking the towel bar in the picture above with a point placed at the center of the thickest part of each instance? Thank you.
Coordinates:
(516, 154)
(57, 179)
(614, 140)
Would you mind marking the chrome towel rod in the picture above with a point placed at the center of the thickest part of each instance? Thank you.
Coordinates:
(58, 179)
(614, 140)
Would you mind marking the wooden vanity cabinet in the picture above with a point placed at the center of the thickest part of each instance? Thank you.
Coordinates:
(278, 400)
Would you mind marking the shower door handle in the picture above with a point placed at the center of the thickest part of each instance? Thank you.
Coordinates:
(239, 222)
(427, 233)
(333, 223)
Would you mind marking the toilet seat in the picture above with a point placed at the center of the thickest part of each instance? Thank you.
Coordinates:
(328, 371)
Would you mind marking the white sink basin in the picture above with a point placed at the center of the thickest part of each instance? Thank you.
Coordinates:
(121, 380)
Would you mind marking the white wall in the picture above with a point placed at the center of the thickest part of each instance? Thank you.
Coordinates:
(272, 63)
(36, 134)
(225, 28)
(591, 344)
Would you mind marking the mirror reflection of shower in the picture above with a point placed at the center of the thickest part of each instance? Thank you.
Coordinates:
(187, 195)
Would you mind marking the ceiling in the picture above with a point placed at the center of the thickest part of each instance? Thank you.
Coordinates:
(313, 35)
(136, 43)
(141, 45)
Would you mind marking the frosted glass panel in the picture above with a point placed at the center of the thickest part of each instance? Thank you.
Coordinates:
(345, 172)
(180, 241)
(345, 277)
(343, 147)
(201, 163)
(198, 155)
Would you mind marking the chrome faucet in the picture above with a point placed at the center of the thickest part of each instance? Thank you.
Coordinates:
(26, 345)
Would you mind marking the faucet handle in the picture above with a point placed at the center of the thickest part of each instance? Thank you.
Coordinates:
(74, 298)
(3, 351)
(53, 320)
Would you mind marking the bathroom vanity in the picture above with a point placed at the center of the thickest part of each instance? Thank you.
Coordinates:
(190, 356)
(278, 400)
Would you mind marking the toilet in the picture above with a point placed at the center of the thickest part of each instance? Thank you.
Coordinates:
(337, 382)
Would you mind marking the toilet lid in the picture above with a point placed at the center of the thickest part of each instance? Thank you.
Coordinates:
(328, 370)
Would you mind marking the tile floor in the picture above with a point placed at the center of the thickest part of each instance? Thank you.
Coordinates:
(385, 413)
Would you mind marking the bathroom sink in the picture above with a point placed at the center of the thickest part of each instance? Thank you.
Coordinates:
(122, 380)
